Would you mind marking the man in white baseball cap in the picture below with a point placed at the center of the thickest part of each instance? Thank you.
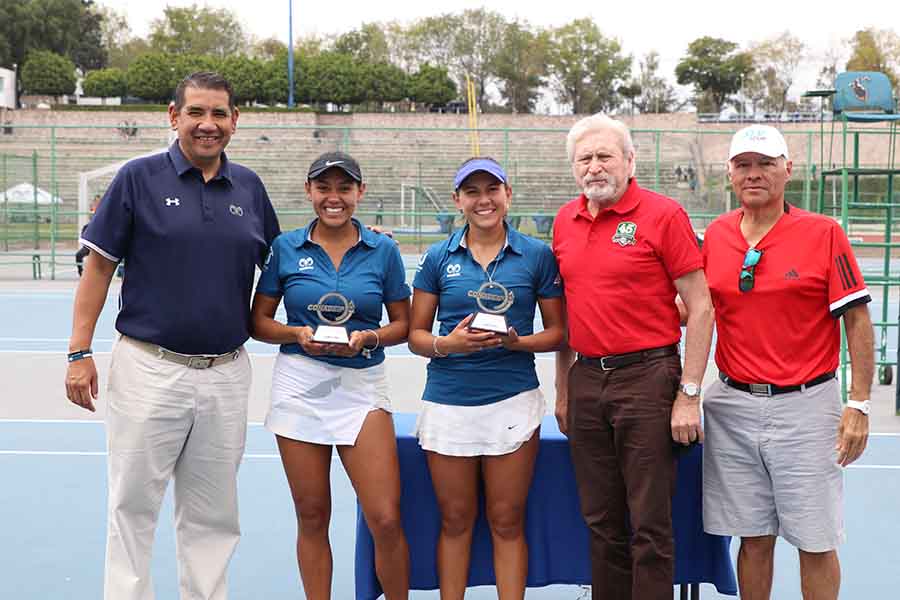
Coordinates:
(760, 139)
(776, 433)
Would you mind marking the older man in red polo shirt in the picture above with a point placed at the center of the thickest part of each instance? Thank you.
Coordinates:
(781, 278)
(624, 252)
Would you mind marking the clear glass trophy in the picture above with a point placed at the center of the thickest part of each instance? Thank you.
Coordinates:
(332, 316)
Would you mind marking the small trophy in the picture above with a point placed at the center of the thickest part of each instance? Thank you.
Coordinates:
(493, 300)
(332, 330)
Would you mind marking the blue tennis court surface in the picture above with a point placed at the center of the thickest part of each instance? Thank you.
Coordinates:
(52, 505)
(53, 490)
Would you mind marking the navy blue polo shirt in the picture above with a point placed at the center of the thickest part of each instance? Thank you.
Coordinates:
(190, 249)
(370, 275)
(525, 266)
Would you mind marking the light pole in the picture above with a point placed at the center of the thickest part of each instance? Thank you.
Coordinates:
(290, 53)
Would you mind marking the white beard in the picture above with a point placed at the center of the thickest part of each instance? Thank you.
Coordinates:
(601, 192)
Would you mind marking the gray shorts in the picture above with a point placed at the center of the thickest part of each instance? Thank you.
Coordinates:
(770, 465)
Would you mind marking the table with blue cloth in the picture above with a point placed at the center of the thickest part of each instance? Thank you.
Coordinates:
(558, 539)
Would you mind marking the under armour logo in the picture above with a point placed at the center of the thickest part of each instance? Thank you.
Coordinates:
(453, 270)
(173, 202)
(236, 210)
(305, 264)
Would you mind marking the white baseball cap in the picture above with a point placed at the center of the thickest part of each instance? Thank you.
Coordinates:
(762, 139)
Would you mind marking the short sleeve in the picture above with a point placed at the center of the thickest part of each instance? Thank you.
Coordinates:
(110, 231)
(427, 277)
(846, 287)
(395, 287)
(548, 281)
(269, 282)
(271, 228)
(679, 248)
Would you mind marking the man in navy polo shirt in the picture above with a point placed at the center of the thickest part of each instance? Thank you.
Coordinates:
(192, 227)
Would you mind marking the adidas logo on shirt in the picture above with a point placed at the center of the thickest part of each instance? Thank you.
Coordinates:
(792, 274)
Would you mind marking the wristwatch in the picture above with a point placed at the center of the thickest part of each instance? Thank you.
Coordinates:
(863, 406)
(691, 390)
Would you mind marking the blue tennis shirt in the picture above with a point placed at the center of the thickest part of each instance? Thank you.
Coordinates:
(190, 247)
(370, 275)
(525, 266)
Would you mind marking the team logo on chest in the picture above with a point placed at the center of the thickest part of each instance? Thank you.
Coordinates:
(454, 270)
(236, 210)
(624, 235)
(305, 263)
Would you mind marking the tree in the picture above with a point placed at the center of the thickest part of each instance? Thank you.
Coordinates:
(716, 70)
(431, 86)
(629, 92)
(151, 77)
(105, 83)
(49, 74)
(383, 82)
(430, 41)
(476, 44)
(333, 77)
(586, 67)
(66, 27)
(656, 95)
(521, 65)
(777, 60)
(197, 30)
(871, 50)
(245, 75)
(87, 50)
(267, 49)
(366, 44)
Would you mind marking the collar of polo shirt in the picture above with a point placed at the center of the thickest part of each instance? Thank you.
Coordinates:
(302, 236)
(183, 165)
(513, 240)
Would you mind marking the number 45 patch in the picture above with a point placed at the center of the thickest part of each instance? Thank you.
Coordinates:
(624, 235)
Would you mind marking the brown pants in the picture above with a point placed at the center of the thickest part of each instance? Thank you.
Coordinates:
(624, 459)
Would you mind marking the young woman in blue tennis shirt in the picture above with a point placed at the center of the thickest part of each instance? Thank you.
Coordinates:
(482, 406)
(334, 394)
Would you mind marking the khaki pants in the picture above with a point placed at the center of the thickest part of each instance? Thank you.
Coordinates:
(623, 455)
(167, 421)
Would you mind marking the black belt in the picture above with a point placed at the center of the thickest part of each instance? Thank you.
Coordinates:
(770, 389)
(617, 361)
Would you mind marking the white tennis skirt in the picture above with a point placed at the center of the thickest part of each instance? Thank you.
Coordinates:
(319, 403)
(487, 430)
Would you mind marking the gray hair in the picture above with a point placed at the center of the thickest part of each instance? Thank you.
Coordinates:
(598, 122)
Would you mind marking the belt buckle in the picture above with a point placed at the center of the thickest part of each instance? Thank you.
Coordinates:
(603, 364)
(761, 389)
(200, 362)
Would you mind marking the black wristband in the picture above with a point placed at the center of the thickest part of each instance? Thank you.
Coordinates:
(78, 355)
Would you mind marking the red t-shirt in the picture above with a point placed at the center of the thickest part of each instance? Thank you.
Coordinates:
(786, 329)
(618, 271)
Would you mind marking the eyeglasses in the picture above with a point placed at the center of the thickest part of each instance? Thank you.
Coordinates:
(747, 279)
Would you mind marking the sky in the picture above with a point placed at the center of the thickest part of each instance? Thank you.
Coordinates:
(667, 26)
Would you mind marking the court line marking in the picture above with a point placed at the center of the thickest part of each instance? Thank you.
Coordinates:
(886, 434)
(64, 453)
(334, 457)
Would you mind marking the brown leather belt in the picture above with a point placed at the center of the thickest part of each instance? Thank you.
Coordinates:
(617, 361)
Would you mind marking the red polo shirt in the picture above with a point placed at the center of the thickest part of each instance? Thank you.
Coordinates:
(618, 270)
(786, 329)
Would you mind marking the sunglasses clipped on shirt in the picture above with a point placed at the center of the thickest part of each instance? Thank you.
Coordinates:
(748, 269)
